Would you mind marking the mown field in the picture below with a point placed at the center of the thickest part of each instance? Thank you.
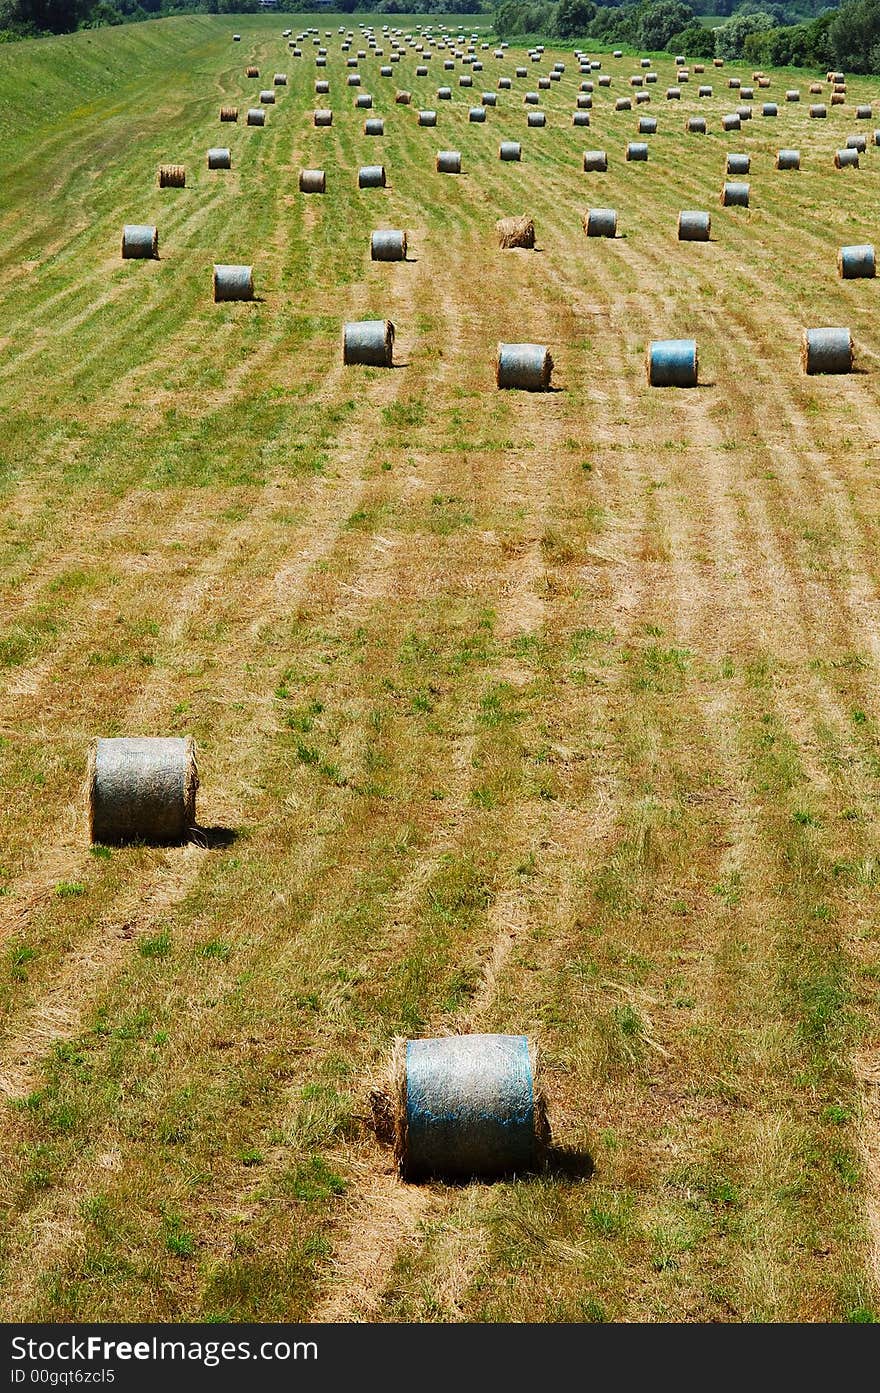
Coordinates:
(551, 713)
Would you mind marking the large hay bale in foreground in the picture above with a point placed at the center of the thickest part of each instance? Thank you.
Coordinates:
(219, 157)
(172, 176)
(827, 351)
(467, 1106)
(672, 363)
(527, 366)
(312, 181)
(233, 283)
(448, 161)
(256, 116)
(140, 242)
(856, 263)
(142, 789)
(516, 232)
(368, 342)
(788, 159)
(510, 150)
(371, 176)
(734, 194)
(388, 244)
(694, 225)
(600, 222)
(846, 159)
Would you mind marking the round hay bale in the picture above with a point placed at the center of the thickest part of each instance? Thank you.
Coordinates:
(448, 162)
(322, 116)
(280, 80)
(142, 789)
(322, 87)
(600, 222)
(371, 176)
(647, 125)
(467, 1106)
(489, 98)
(672, 363)
(233, 283)
(696, 125)
(734, 194)
(387, 245)
(673, 94)
(747, 93)
(368, 343)
(731, 122)
(543, 84)
(650, 77)
(140, 242)
(504, 84)
(402, 97)
(584, 103)
(531, 99)
(536, 118)
(744, 113)
(236, 38)
(738, 164)
(510, 150)
(734, 82)
(856, 263)
(252, 72)
(580, 118)
(229, 113)
(219, 157)
(792, 95)
(267, 98)
(477, 113)
(353, 80)
(522, 72)
(444, 94)
(421, 70)
(527, 366)
(642, 97)
(827, 351)
(605, 80)
(857, 142)
(645, 62)
(637, 150)
(623, 104)
(816, 89)
(256, 116)
(312, 181)
(694, 226)
(718, 62)
(363, 101)
(769, 109)
(788, 159)
(427, 118)
(636, 81)
(837, 98)
(586, 89)
(704, 91)
(172, 176)
(516, 232)
(864, 113)
(595, 162)
(846, 159)
(374, 126)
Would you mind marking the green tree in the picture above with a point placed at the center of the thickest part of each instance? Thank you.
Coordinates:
(573, 18)
(730, 36)
(696, 41)
(854, 36)
(658, 22)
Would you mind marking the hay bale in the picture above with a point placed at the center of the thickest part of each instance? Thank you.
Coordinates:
(647, 125)
(584, 103)
(371, 176)
(531, 99)
(705, 91)
(322, 87)
(256, 116)
(769, 109)
(312, 181)
(672, 363)
(699, 67)
(140, 242)
(444, 94)
(718, 62)
(792, 95)
(600, 222)
(837, 99)
(857, 142)
(141, 789)
(637, 150)
(374, 126)
(856, 263)
(353, 80)
(623, 104)
(731, 122)
(504, 84)
(322, 116)
(595, 162)
(489, 98)
(846, 159)
(738, 164)
(694, 226)
(280, 80)
(427, 118)
(816, 89)
(788, 159)
(510, 150)
(448, 162)
(252, 72)
(673, 94)
(864, 113)
(465, 1106)
(368, 343)
(267, 97)
(734, 194)
(172, 176)
(229, 113)
(527, 366)
(363, 101)
(402, 97)
(477, 114)
(580, 118)
(744, 113)
(696, 125)
(233, 283)
(642, 97)
(734, 82)
(536, 118)
(387, 245)
(827, 351)
(605, 80)
(421, 70)
(219, 157)
(516, 232)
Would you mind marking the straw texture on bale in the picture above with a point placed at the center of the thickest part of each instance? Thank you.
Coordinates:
(696, 125)
(402, 98)
(738, 164)
(233, 283)
(256, 116)
(856, 263)
(371, 176)
(672, 363)
(172, 176)
(252, 72)
(219, 157)
(816, 89)
(516, 232)
(744, 113)
(312, 181)
(637, 150)
(595, 161)
(141, 789)
(388, 245)
(509, 150)
(694, 226)
(140, 241)
(735, 194)
(600, 222)
(527, 366)
(846, 159)
(368, 342)
(827, 351)
(788, 159)
(229, 113)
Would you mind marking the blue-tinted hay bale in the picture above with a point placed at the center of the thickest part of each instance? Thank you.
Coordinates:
(864, 113)
(731, 122)
(256, 116)
(219, 157)
(531, 99)
(477, 114)
(595, 162)
(672, 363)
(312, 181)
(233, 283)
(696, 125)
(694, 225)
(267, 97)
(323, 117)
(600, 222)
(142, 789)
(846, 159)
(427, 118)
(468, 1106)
(371, 176)
(448, 161)
(637, 150)
(857, 142)
(489, 98)
(580, 118)
(322, 87)
(444, 94)
(388, 245)
(374, 126)
(827, 351)
(363, 101)
(524, 366)
(704, 91)
(647, 125)
(769, 109)
(734, 194)
(510, 150)
(788, 159)
(536, 118)
(386, 70)
(738, 164)
(368, 343)
(856, 263)
(140, 242)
